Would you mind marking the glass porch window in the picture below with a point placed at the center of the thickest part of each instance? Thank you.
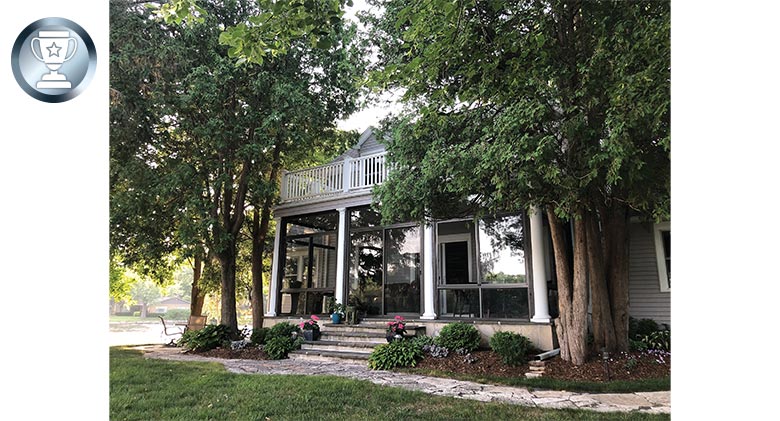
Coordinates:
(482, 268)
(309, 274)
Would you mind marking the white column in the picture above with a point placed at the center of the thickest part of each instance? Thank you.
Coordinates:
(341, 250)
(428, 281)
(273, 292)
(541, 309)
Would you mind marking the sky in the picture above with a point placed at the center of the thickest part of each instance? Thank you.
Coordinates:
(725, 176)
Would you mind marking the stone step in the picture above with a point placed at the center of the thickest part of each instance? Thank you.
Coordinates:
(536, 369)
(347, 357)
(370, 327)
(342, 346)
(533, 375)
(363, 337)
(537, 363)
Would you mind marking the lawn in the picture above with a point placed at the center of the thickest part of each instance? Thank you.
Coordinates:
(144, 389)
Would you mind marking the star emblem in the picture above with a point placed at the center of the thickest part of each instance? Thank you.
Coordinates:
(54, 51)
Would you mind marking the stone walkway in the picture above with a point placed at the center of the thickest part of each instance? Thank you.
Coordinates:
(649, 402)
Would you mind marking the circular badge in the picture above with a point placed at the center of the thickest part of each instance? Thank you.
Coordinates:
(53, 59)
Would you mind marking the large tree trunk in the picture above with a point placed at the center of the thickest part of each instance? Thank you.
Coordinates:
(257, 272)
(601, 320)
(197, 297)
(227, 261)
(572, 290)
(259, 235)
(616, 240)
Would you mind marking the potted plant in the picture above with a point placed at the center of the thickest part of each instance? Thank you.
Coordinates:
(310, 328)
(396, 329)
(336, 310)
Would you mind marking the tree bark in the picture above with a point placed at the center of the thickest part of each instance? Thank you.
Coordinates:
(257, 273)
(259, 235)
(571, 324)
(601, 320)
(228, 314)
(616, 240)
(196, 296)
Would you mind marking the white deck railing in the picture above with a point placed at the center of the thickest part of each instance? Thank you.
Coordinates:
(336, 178)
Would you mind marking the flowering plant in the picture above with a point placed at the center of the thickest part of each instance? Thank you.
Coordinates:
(310, 324)
(397, 327)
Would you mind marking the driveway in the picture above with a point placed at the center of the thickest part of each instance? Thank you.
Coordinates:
(138, 333)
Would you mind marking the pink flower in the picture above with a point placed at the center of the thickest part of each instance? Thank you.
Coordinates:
(401, 326)
(310, 322)
(399, 318)
(314, 317)
(300, 325)
(390, 323)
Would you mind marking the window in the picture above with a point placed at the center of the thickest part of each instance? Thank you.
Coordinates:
(309, 272)
(663, 254)
(482, 269)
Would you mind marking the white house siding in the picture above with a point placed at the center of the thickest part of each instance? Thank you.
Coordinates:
(646, 301)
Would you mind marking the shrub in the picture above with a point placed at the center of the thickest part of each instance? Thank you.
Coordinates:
(395, 354)
(210, 337)
(660, 340)
(459, 335)
(512, 347)
(637, 329)
(258, 336)
(635, 345)
(177, 314)
(283, 330)
(423, 340)
(277, 347)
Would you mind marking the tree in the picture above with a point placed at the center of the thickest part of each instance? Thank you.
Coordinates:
(145, 291)
(219, 133)
(557, 104)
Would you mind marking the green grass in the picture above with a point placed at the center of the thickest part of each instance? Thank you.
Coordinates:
(147, 389)
(618, 386)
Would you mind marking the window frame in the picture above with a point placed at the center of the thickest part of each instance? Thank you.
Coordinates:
(660, 254)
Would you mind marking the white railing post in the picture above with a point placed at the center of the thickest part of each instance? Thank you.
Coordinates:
(283, 188)
(346, 174)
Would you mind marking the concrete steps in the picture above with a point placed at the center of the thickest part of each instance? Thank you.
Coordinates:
(348, 343)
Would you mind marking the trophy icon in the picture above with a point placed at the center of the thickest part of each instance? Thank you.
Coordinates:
(54, 47)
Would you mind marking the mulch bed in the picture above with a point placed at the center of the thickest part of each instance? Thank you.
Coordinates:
(623, 366)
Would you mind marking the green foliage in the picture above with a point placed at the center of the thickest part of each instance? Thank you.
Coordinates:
(512, 347)
(639, 328)
(404, 353)
(660, 340)
(277, 347)
(630, 364)
(259, 336)
(459, 336)
(177, 314)
(281, 330)
(210, 337)
(637, 345)
(422, 340)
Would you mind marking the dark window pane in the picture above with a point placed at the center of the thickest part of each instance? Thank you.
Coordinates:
(666, 236)
(365, 272)
(296, 264)
(402, 281)
(455, 263)
(510, 303)
(459, 303)
(309, 224)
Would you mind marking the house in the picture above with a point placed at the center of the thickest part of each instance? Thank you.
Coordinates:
(495, 272)
(165, 304)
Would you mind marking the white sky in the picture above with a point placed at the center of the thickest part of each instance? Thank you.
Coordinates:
(371, 115)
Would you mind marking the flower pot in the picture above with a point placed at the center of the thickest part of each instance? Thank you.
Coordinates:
(394, 337)
(311, 335)
(335, 318)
